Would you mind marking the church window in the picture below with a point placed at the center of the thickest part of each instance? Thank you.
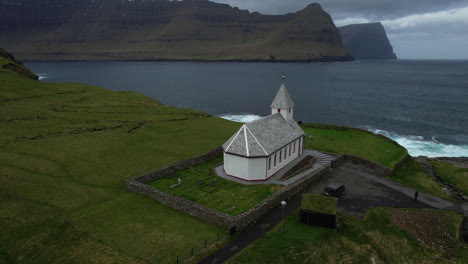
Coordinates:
(279, 110)
(284, 152)
(300, 141)
(289, 110)
(269, 163)
(280, 155)
(294, 147)
(289, 149)
(275, 160)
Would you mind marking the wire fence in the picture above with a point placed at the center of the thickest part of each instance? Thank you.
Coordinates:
(200, 247)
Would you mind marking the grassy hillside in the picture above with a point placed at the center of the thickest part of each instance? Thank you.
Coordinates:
(65, 151)
(386, 235)
(8, 64)
(413, 175)
(356, 142)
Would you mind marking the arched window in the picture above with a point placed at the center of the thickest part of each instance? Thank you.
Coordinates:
(279, 110)
(289, 110)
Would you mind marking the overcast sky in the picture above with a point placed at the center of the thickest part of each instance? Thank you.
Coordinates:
(418, 29)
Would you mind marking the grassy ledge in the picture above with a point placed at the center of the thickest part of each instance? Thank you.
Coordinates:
(356, 142)
(456, 176)
(413, 175)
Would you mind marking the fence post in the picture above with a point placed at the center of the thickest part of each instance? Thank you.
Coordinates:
(205, 243)
(177, 259)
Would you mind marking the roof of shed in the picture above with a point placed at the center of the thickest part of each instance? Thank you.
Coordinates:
(263, 137)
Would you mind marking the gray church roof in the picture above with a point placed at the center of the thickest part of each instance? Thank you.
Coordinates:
(283, 99)
(263, 137)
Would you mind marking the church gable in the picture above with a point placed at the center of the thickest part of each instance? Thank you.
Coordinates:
(244, 143)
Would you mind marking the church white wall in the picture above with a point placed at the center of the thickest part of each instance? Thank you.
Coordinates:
(245, 168)
(286, 113)
(295, 152)
(257, 169)
(236, 166)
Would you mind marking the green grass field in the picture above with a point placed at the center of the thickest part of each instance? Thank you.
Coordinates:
(201, 185)
(318, 203)
(336, 139)
(412, 174)
(453, 175)
(65, 151)
(357, 241)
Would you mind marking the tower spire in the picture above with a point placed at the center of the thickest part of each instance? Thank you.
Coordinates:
(283, 103)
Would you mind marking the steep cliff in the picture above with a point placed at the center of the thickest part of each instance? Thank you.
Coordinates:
(162, 29)
(367, 41)
(9, 64)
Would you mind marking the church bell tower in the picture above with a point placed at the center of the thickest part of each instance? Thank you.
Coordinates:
(283, 103)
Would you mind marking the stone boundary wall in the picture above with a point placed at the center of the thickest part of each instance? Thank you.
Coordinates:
(181, 165)
(251, 216)
(379, 169)
(401, 163)
(138, 184)
(191, 208)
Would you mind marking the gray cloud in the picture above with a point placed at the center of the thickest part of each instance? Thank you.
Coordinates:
(416, 28)
(374, 9)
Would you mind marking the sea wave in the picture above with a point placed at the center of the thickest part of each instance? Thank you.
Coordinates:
(420, 146)
(42, 76)
(416, 145)
(241, 118)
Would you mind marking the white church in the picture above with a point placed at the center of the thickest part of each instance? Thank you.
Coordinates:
(261, 148)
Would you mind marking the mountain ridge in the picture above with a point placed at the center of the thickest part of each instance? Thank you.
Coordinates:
(166, 30)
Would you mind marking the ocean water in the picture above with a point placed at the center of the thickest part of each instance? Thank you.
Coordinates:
(423, 105)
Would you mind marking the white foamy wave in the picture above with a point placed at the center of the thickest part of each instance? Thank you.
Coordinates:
(419, 146)
(246, 118)
(42, 76)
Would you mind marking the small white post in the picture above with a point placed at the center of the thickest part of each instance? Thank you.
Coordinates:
(283, 204)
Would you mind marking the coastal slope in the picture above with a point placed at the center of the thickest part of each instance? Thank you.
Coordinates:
(9, 64)
(166, 30)
(367, 41)
(65, 151)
